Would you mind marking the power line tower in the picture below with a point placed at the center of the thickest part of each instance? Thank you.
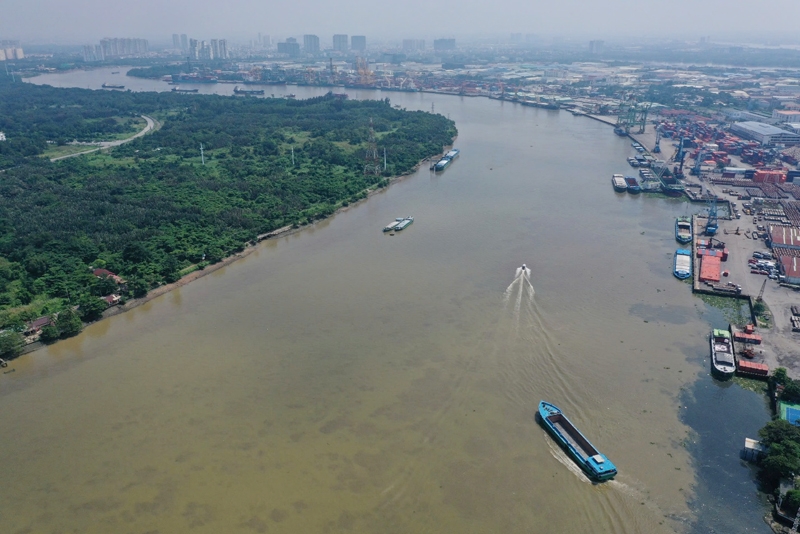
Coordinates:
(372, 162)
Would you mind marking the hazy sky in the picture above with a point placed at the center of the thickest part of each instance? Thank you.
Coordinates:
(86, 21)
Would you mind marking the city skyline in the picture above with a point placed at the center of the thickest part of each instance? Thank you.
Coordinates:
(55, 22)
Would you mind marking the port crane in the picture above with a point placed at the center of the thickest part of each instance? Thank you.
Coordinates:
(657, 148)
(760, 296)
(678, 158)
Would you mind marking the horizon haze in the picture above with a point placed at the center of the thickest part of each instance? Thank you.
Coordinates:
(58, 22)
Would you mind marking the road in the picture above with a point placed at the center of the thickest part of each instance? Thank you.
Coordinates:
(151, 124)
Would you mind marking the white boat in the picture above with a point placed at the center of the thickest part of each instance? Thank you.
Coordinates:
(722, 361)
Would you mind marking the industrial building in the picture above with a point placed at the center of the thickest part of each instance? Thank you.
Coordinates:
(785, 236)
(786, 115)
(358, 42)
(311, 44)
(340, 42)
(764, 133)
(791, 269)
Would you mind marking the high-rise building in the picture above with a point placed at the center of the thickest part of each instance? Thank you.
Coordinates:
(214, 49)
(413, 44)
(358, 42)
(176, 41)
(124, 47)
(266, 42)
(596, 47)
(194, 49)
(184, 42)
(340, 42)
(291, 47)
(223, 49)
(444, 44)
(311, 44)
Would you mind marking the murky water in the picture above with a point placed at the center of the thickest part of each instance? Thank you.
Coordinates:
(344, 380)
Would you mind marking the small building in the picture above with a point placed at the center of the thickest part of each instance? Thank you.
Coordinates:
(112, 300)
(34, 328)
(105, 273)
(753, 450)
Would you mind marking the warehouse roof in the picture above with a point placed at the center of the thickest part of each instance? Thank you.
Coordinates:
(760, 128)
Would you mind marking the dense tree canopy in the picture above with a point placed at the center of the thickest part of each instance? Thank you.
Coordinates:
(150, 210)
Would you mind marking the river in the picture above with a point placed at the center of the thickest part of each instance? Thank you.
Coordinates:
(343, 380)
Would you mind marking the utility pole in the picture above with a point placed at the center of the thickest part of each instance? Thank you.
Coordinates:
(292, 156)
(384, 158)
(202, 156)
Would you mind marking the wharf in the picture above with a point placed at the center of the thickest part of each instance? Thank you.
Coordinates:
(716, 290)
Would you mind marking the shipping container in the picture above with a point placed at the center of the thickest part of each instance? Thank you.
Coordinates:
(752, 368)
(710, 269)
(742, 337)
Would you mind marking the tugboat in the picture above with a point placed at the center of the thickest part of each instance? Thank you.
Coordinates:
(588, 458)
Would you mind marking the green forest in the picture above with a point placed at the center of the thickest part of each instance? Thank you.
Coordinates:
(151, 210)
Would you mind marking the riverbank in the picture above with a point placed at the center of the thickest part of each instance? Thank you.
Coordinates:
(248, 249)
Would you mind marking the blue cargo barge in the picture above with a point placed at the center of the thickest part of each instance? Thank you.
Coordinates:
(588, 458)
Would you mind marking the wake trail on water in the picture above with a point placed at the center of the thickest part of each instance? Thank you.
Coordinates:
(526, 332)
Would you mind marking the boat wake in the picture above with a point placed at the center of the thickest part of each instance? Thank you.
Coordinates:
(520, 293)
(559, 454)
(530, 352)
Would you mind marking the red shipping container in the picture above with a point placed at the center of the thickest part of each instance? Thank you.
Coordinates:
(710, 269)
(752, 368)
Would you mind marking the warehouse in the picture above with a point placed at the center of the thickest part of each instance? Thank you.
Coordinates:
(765, 133)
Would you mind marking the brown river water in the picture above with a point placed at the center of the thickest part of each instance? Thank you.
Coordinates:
(343, 380)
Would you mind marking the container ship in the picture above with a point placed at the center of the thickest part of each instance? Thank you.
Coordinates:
(671, 186)
(238, 91)
(586, 455)
(193, 78)
(618, 181)
(112, 86)
(179, 90)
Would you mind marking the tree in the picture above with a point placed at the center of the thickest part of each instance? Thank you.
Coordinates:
(49, 333)
(782, 460)
(69, 323)
(791, 502)
(90, 308)
(779, 431)
(11, 344)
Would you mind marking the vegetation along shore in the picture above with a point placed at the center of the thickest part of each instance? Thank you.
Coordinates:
(106, 229)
